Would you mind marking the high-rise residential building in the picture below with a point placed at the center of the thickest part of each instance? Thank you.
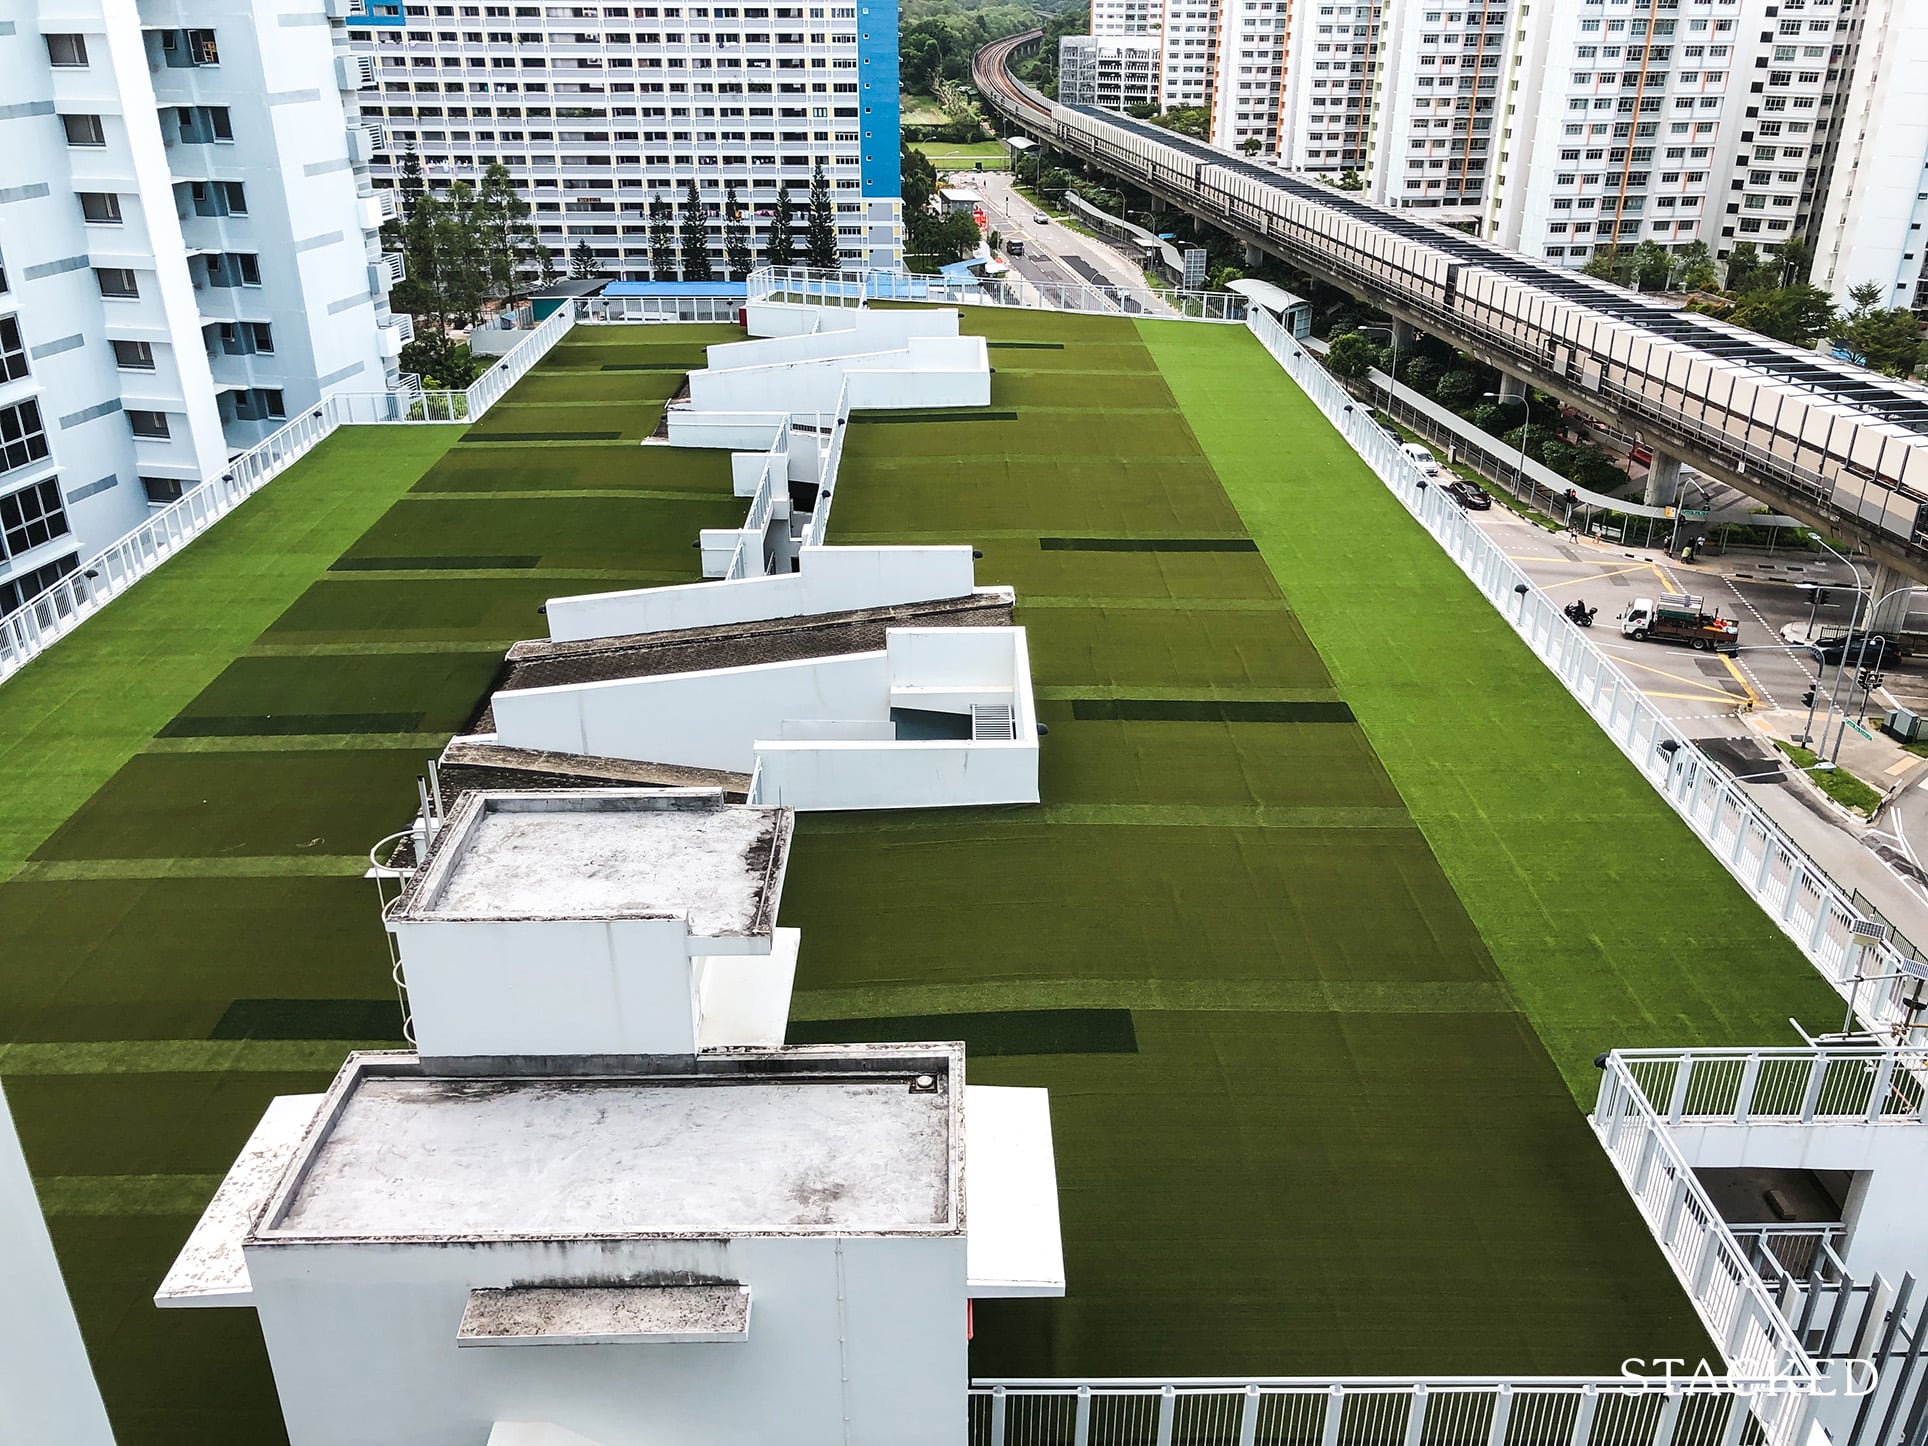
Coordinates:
(1114, 71)
(1559, 129)
(188, 256)
(1870, 228)
(598, 111)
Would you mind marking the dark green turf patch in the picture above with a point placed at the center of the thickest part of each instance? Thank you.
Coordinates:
(1236, 577)
(960, 498)
(1147, 544)
(586, 468)
(1205, 710)
(999, 1033)
(1197, 647)
(592, 530)
(288, 725)
(960, 415)
(669, 366)
(210, 805)
(456, 562)
(1024, 345)
(475, 436)
(163, 958)
(1087, 391)
(418, 692)
(310, 1019)
(437, 609)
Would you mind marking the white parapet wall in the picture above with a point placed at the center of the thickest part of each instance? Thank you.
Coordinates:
(47, 1390)
(846, 333)
(938, 717)
(827, 580)
(925, 371)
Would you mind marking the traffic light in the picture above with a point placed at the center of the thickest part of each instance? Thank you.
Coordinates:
(1807, 698)
(1821, 597)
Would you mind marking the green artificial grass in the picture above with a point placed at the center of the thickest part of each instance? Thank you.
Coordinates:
(1612, 924)
(1339, 1146)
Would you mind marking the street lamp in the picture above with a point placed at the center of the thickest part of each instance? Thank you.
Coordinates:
(1860, 593)
(1860, 639)
(1526, 424)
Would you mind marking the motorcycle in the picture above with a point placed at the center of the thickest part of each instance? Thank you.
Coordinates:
(1579, 614)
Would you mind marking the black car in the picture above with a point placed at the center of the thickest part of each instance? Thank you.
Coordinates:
(1469, 495)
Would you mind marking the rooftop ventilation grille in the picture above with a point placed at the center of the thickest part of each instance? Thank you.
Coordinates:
(992, 723)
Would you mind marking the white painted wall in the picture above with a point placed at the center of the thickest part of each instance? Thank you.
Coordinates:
(549, 986)
(810, 776)
(926, 372)
(740, 431)
(707, 719)
(828, 579)
(1888, 1229)
(47, 1390)
(366, 1333)
(870, 331)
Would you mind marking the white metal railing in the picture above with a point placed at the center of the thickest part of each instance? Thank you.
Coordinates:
(42, 620)
(1720, 1278)
(598, 310)
(1795, 891)
(1829, 1084)
(1367, 1411)
(849, 288)
(1786, 1254)
(830, 444)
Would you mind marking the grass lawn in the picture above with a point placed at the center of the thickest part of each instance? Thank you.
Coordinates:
(1837, 783)
(199, 772)
(965, 155)
(919, 110)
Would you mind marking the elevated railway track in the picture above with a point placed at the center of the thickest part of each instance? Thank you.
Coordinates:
(1842, 448)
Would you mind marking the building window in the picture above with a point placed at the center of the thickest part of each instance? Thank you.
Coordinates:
(13, 352)
(23, 439)
(148, 424)
(29, 585)
(84, 130)
(162, 489)
(116, 281)
(134, 356)
(31, 516)
(67, 49)
(100, 208)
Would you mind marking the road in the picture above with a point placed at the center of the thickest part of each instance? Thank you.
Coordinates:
(1054, 253)
(1734, 705)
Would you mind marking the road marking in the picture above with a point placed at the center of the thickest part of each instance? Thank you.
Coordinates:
(1596, 577)
(1734, 668)
(1902, 767)
(1695, 697)
(1707, 689)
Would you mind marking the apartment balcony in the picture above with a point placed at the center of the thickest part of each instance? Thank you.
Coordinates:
(364, 142)
(397, 331)
(377, 208)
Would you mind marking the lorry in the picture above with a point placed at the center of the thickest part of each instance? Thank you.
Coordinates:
(1678, 617)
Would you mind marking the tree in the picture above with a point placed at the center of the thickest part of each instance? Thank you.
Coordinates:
(1888, 341)
(1796, 314)
(1251, 145)
(736, 235)
(505, 235)
(1652, 265)
(412, 183)
(780, 241)
(1697, 271)
(584, 264)
(662, 239)
(464, 263)
(1351, 356)
(1744, 268)
(695, 235)
(1604, 264)
(1422, 374)
(820, 235)
(1459, 390)
(1793, 255)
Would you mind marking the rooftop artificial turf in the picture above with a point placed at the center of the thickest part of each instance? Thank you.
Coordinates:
(1359, 956)
(1292, 979)
(197, 775)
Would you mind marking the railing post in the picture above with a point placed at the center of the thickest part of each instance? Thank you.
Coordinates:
(1335, 1415)
(1167, 1414)
(1416, 1415)
(1583, 1415)
(1744, 1092)
(1677, 1104)
(1817, 1077)
(997, 1417)
(1669, 1418)
(1883, 1082)
(1248, 1421)
(1081, 1422)
(1502, 1413)
(1736, 1421)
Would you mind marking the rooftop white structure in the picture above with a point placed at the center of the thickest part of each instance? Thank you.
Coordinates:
(938, 717)
(598, 922)
(780, 1246)
(188, 256)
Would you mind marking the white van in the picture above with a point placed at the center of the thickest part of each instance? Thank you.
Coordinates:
(1421, 457)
